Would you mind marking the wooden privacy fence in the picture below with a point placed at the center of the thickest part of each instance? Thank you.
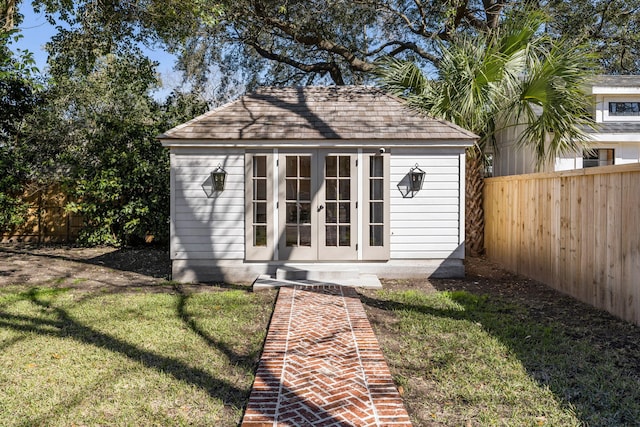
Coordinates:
(576, 231)
(47, 220)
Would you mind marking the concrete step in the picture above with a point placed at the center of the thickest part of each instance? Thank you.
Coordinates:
(320, 273)
(367, 281)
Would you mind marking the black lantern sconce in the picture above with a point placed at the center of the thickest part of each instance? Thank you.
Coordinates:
(218, 177)
(416, 178)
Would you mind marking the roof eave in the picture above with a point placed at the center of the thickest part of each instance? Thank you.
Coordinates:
(318, 143)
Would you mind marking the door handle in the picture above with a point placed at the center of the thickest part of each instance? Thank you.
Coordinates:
(320, 208)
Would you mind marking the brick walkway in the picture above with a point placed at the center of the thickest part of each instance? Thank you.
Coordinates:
(322, 365)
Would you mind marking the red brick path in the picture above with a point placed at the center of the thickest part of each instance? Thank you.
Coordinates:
(322, 365)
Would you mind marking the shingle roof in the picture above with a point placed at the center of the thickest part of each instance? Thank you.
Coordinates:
(308, 113)
(616, 81)
(616, 127)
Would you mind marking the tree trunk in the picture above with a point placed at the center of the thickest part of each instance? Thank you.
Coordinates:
(474, 215)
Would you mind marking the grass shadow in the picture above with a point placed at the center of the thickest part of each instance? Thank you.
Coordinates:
(61, 324)
(245, 361)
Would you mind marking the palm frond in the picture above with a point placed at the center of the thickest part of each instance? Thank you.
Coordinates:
(516, 76)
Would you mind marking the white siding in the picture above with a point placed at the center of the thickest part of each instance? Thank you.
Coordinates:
(209, 226)
(205, 224)
(512, 160)
(628, 153)
(428, 224)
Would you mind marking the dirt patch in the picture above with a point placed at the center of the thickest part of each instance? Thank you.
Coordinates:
(87, 268)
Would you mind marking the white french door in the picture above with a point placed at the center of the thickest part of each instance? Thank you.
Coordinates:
(317, 202)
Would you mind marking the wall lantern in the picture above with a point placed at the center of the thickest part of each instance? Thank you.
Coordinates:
(416, 178)
(218, 176)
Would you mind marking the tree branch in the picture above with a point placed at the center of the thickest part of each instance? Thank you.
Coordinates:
(420, 30)
(8, 9)
(319, 67)
(356, 63)
(401, 47)
(493, 10)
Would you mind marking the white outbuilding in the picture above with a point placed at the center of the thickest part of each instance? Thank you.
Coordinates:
(310, 182)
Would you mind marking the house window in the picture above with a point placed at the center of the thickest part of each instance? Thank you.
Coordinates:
(598, 157)
(624, 108)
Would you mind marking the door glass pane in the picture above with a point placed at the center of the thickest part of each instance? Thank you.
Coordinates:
(375, 166)
(345, 189)
(260, 235)
(305, 235)
(305, 189)
(292, 166)
(260, 166)
(292, 189)
(331, 235)
(260, 213)
(331, 168)
(305, 166)
(376, 189)
(260, 189)
(345, 235)
(375, 235)
(331, 215)
(291, 235)
(304, 210)
(332, 190)
(345, 166)
(292, 213)
(345, 213)
(376, 212)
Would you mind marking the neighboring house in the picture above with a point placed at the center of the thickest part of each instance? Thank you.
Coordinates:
(616, 139)
(316, 178)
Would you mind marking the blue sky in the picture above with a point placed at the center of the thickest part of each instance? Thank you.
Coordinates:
(36, 31)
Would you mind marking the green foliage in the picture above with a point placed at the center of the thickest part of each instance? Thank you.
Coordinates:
(610, 28)
(18, 98)
(98, 132)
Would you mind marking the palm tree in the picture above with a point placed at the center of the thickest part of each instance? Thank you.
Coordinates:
(487, 82)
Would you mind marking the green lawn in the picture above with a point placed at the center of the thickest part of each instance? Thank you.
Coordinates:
(176, 355)
(465, 359)
(71, 357)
